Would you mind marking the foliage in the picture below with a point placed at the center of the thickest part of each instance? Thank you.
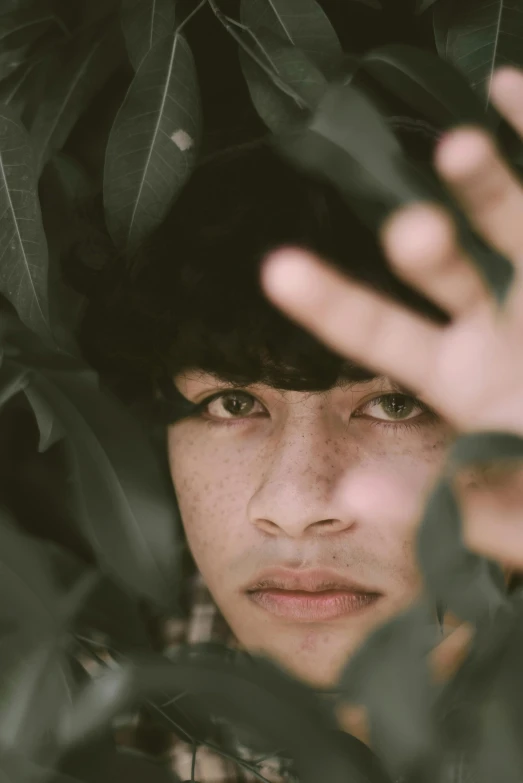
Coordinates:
(56, 59)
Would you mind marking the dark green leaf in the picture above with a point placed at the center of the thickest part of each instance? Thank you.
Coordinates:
(444, 32)
(144, 23)
(348, 143)
(34, 693)
(389, 675)
(80, 71)
(23, 250)
(428, 83)
(13, 379)
(483, 35)
(471, 586)
(23, 27)
(254, 692)
(123, 504)
(12, 88)
(423, 5)
(48, 425)
(277, 109)
(303, 23)
(153, 142)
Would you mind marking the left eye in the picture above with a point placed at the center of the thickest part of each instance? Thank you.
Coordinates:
(234, 405)
(398, 407)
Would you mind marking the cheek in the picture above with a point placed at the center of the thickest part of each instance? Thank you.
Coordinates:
(212, 485)
(391, 484)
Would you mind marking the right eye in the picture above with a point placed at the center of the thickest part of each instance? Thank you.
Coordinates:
(229, 405)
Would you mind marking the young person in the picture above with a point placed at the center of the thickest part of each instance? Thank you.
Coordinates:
(264, 424)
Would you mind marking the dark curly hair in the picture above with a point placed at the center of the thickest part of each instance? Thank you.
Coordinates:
(190, 297)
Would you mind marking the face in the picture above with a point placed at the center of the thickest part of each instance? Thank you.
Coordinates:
(298, 575)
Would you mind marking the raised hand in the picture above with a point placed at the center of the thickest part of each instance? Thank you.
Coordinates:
(471, 370)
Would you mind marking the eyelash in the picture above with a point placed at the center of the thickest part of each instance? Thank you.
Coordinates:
(428, 414)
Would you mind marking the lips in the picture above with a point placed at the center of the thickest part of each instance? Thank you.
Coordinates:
(310, 595)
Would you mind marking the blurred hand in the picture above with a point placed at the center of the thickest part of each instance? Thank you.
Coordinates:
(471, 370)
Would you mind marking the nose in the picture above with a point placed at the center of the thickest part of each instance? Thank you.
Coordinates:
(297, 494)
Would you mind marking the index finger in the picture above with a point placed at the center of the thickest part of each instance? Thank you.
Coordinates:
(351, 319)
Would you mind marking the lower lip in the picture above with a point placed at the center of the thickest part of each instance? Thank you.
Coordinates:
(299, 605)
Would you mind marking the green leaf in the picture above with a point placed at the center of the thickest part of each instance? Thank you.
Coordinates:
(276, 108)
(252, 691)
(153, 143)
(123, 505)
(389, 675)
(26, 577)
(471, 586)
(34, 692)
(423, 5)
(442, 24)
(23, 27)
(48, 425)
(23, 250)
(348, 143)
(144, 23)
(81, 69)
(427, 83)
(483, 35)
(303, 23)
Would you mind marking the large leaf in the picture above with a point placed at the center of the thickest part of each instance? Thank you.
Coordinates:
(479, 36)
(288, 64)
(348, 143)
(153, 142)
(303, 23)
(26, 577)
(23, 250)
(470, 585)
(251, 691)
(431, 85)
(123, 505)
(390, 676)
(34, 693)
(23, 27)
(144, 23)
(81, 69)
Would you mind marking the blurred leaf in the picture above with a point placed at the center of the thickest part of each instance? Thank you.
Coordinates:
(23, 250)
(429, 84)
(13, 379)
(144, 23)
(80, 71)
(375, 4)
(22, 27)
(303, 23)
(49, 427)
(423, 5)
(389, 675)
(153, 143)
(482, 35)
(254, 692)
(12, 88)
(77, 184)
(122, 504)
(33, 694)
(348, 143)
(471, 586)
(293, 67)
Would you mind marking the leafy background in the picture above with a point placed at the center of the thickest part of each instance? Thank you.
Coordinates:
(115, 101)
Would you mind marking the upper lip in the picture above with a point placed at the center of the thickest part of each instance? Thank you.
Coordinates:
(311, 581)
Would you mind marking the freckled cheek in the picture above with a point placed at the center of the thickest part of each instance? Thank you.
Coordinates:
(213, 488)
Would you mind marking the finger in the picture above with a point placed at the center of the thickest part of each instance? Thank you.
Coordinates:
(351, 319)
(421, 243)
(489, 192)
